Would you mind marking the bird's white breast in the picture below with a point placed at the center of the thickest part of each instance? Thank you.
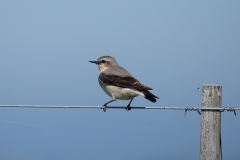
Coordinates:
(120, 93)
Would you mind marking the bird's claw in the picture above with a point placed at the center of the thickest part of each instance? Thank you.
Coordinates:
(128, 108)
(104, 108)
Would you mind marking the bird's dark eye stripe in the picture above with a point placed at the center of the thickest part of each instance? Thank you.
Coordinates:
(103, 61)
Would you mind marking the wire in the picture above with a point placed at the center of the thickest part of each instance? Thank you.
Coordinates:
(232, 109)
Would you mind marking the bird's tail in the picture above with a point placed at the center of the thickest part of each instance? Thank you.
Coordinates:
(149, 96)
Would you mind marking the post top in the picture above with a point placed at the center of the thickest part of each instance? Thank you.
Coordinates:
(212, 85)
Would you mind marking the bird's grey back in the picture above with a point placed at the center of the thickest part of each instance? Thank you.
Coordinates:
(118, 71)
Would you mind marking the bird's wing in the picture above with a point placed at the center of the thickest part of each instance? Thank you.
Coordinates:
(124, 82)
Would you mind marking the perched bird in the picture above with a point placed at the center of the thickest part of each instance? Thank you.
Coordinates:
(118, 83)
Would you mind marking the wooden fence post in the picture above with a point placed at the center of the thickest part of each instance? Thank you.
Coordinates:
(211, 122)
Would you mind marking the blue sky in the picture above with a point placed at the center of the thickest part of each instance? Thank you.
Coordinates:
(171, 46)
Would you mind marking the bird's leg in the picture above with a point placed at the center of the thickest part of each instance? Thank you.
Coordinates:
(105, 105)
(128, 106)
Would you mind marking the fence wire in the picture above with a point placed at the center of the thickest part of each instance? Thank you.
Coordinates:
(198, 109)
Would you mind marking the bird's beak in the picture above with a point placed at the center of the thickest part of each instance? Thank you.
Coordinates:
(94, 62)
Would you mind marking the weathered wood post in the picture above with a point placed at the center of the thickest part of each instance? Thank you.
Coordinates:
(211, 122)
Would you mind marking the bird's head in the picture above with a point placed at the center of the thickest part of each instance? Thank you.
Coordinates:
(104, 62)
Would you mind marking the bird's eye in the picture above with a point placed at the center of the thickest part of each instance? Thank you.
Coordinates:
(103, 61)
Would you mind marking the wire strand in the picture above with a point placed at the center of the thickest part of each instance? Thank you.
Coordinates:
(121, 107)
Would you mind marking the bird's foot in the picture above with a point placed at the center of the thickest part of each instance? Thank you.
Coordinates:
(104, 108)
(105, 105)
(128, 108)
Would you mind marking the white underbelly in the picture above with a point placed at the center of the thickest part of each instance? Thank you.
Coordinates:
(120, 93)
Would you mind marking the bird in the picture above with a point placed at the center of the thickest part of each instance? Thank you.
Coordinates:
(118, 83)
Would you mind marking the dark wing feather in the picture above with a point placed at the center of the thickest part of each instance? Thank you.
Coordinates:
(124, 82)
